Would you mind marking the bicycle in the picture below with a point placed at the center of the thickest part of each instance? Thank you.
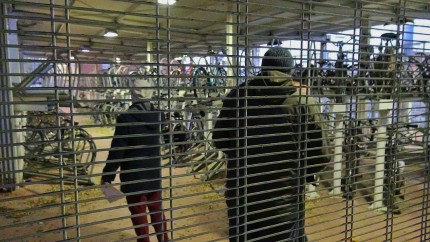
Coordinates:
(45, 141)
(328, 77)
(341, 73)
(419, 70)
(322, 77)
(408, 134)
(210, 80)
(353, 155)
(187, 133)
(394, 180)
(385, 66)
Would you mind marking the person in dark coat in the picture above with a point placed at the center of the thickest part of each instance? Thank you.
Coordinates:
(275, 141)
(135, 149)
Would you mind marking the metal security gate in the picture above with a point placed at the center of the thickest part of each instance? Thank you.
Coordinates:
(330, 139)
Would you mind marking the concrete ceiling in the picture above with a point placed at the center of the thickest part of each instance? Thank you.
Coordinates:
(189, 26)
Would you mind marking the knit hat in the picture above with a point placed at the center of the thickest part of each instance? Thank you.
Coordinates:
(277, 59)
(141, 89)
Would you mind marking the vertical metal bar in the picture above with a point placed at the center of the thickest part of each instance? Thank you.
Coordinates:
(306, 7)
(230, 48)
(299, 132)
(364, 59)
(303, 159)
(234, 83)
(149, 56)
(425, 227)
(241, 207)
(352, 140)
(71, 92)
(160, 112)
(400, 51)
(10, 167)
(238, 34)
(169, 111)
(392, 157)
(424, 232)
(169, 58)
(59, 136)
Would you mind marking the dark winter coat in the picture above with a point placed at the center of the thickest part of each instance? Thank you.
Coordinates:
(135, 149)
(260, 128)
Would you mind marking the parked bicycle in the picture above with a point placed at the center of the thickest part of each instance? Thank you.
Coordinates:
(394, 180)
(385, 65)
(187, 130)
(210, 80)
(45, 142)
(419, 70)
(353, 154)
(328, 78)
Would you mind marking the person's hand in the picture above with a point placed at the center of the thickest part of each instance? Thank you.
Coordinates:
(104, 180)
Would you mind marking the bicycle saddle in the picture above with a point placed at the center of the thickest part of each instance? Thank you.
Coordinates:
(389, 36)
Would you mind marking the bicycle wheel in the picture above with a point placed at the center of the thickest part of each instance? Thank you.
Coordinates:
(180, 135)
(366, 131)
(95, 115)
(111, 114)
(221, 81)
(83, 148)
(197, 131)
(33, 144)
(200, 82)
(107, 115)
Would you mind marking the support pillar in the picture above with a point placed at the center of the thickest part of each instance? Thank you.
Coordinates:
(408, 39)
(383, 107)
(365, 48)
(404, 111)
(231, 80)
(11, 167)
(362, 109)
(149, 47)
(340, 110)
(323, 51)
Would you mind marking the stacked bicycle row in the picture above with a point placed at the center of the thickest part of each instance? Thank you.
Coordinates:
(379, 77)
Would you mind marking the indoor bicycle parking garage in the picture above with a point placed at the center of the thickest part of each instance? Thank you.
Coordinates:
(71, 72)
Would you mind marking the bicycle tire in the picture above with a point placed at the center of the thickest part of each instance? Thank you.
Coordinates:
(200, 81)
(197, 131)
(221, 81)
(33, 142)
(84, 148)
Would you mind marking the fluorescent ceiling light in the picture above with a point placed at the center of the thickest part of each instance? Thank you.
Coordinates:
(85, 49)
(111, 33)
(168, 2)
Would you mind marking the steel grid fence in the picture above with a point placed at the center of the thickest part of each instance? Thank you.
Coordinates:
(243, 120)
